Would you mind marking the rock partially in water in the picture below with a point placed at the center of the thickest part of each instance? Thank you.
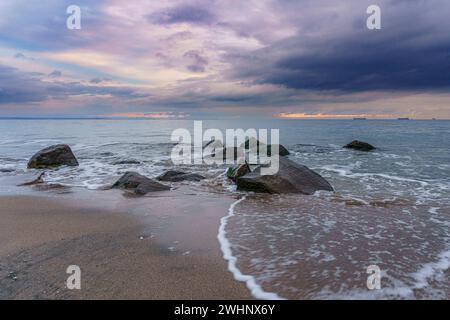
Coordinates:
(238, 171)
(359, 145)
(138, 184)
(291, 178)
(213, 144)
(56, 187)
(176, 176)
(229, 153)
(38, 180)
(282, 151)
(54, 156)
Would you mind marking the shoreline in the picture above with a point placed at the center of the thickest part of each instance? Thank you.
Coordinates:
(146, 248)
(257, 291)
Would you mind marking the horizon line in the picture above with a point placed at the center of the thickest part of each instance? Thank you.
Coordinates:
(89, 117)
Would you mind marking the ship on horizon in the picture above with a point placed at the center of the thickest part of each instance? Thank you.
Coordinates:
(403, 119)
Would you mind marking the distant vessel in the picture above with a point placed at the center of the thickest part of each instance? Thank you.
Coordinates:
(433, 118)
(359, 118)
(402, 118)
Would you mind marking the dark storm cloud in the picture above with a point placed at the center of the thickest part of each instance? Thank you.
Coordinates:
(410, 53)
(17, 87)
(259, 54)
(22, 87)
(361, 64)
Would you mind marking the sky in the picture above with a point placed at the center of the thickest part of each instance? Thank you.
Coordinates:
(225, 59)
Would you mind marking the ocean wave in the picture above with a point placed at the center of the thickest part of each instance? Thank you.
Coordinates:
(225, 245)
(432, 270)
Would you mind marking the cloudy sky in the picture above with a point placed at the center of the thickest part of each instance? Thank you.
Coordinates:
(225, 58)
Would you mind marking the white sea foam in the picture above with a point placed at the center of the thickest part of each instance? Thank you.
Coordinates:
(225, 245)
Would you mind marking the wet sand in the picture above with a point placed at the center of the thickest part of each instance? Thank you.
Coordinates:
(164, 248)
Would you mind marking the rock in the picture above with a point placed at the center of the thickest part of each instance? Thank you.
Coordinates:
(254, 141)
(53, 156)
(56, 187)
(282, 151)
(238, 171)
(38, 180)
(139, 184)
(291, 178)
(213, 144)
(359, 145)
(235, 151)
(176, 176)
(12, 275)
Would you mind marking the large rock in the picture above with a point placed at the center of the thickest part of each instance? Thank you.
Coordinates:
(176, 176)
(359, 145)
(139, 184)
(238, 171)
(291, 178)
(53, 156)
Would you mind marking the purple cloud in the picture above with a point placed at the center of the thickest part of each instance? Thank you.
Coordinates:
(185, 13)
(197, 62)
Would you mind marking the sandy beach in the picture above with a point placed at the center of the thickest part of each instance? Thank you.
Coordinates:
(155, 249)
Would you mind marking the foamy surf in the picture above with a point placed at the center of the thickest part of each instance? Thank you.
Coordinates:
(256, 290)
(432, 270)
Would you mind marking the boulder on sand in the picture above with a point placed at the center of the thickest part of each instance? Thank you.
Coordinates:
(290, 178)
(54, 156)
(139, 184)
(359, 145)
(176, 176)
(238, 171)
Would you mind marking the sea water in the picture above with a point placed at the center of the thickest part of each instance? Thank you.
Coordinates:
(390, 208)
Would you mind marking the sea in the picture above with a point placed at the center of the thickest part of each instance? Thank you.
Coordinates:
(388, 218)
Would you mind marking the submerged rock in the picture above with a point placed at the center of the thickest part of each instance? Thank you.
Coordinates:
(238, 171)
(38, 180)
(54, 156)
(359, 145)
(59, 188)
(176, 176)
(291, 178)
(139, 184)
